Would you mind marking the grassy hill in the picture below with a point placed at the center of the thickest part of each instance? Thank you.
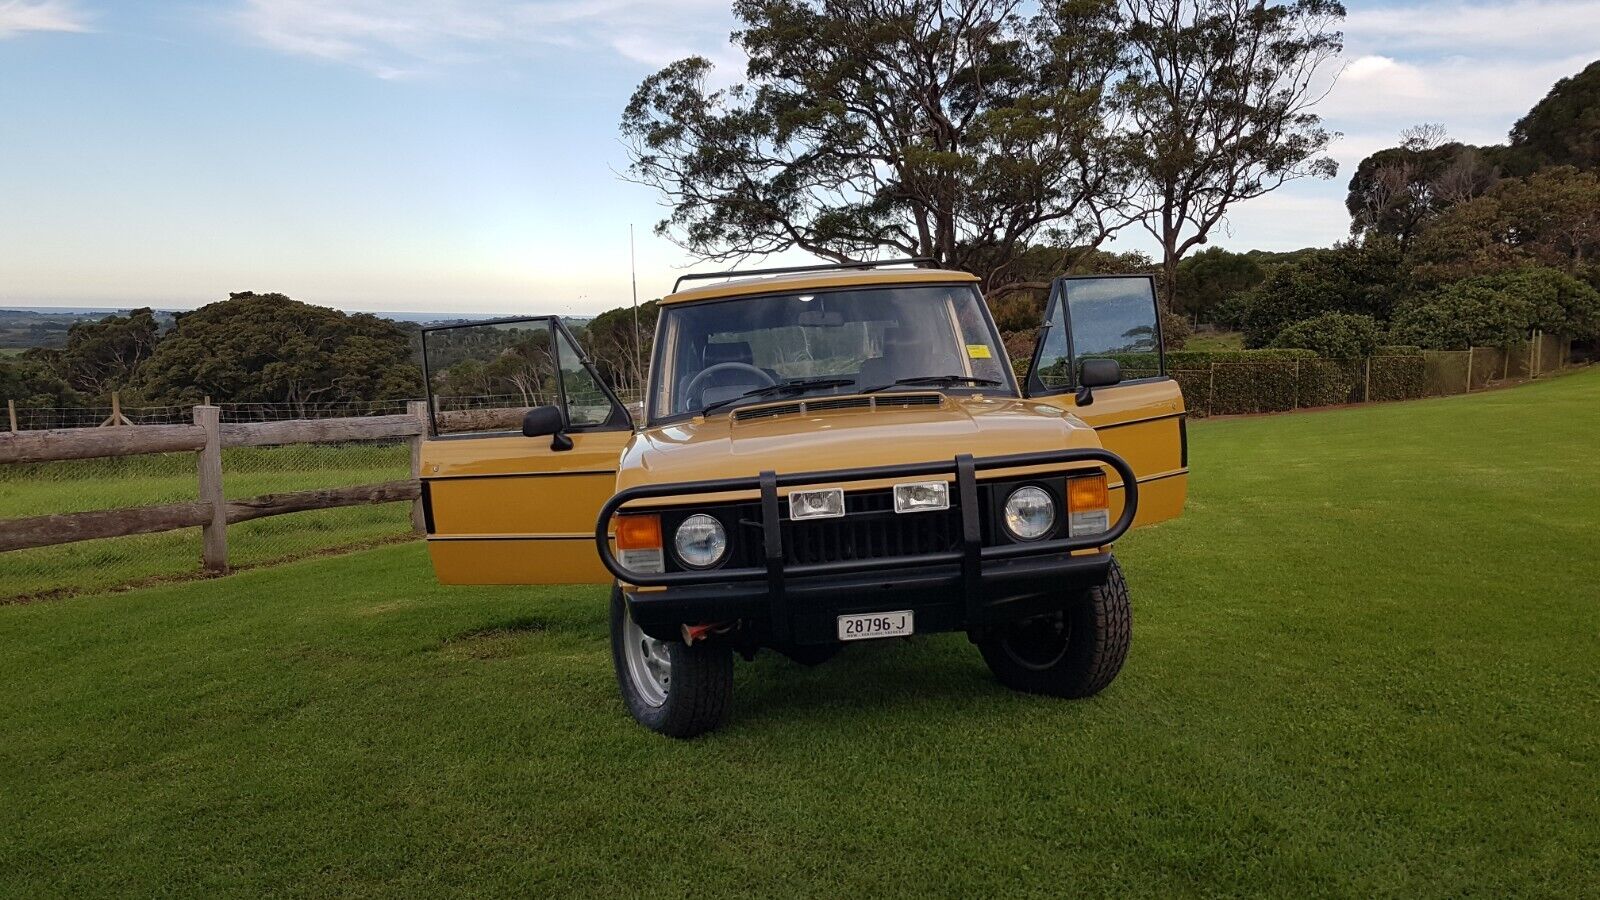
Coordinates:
(1364, 663)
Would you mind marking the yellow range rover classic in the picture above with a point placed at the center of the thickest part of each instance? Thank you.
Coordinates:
(828, 454)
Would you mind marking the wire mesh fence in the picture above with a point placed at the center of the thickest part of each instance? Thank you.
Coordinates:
(254, 471)
(42, 418)
(53, 488)
(69, 486)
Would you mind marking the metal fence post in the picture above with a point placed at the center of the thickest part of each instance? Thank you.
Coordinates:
(1366, 383)
(1211, 390)
(11, 413)
(1533, 343)
(1470, 354)
(418, 409)
(1294, 402)
(214, 536)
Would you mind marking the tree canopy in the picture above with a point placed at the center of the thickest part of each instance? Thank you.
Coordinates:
(1396, 191)
(269, 348)
(1563, 129)
(970, 133)
(1219, 95)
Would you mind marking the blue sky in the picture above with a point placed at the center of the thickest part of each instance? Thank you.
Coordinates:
(462, 155)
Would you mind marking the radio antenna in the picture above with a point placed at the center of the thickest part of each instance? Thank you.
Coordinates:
(638, 342)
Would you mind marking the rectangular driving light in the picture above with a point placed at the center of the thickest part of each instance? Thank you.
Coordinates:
(921, 495)
(825, 504)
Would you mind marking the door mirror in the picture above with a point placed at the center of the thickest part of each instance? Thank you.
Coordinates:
(547, 420)
(1099, 373)
(1093, 373)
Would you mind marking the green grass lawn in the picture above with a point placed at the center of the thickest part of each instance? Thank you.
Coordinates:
(1366, 661)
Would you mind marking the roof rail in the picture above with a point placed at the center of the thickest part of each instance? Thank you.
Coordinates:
(918, 261)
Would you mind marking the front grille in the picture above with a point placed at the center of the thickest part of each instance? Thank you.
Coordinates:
(870, 529)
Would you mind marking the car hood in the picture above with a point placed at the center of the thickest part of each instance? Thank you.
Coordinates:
(724, 447)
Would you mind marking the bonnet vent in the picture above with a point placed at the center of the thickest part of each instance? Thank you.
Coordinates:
(828, 404)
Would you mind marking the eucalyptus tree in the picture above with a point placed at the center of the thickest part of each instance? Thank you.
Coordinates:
(960, 130)
(1219, 96)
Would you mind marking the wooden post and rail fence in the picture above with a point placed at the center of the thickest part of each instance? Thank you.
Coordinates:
(211, 512)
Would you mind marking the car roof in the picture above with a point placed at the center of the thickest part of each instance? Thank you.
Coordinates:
(810, 281)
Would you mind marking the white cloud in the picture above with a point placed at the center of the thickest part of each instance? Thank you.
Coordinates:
(18, 16)
(394, 38)
(1536, 27)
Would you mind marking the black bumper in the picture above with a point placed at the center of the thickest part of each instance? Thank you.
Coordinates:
(967, 589)
(939, 596)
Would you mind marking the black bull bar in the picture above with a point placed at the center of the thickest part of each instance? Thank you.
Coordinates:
(971, 556)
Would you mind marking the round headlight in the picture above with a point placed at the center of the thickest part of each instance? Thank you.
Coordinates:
(1030, 512)
(700, 541)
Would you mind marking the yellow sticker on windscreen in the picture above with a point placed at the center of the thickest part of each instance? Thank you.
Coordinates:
(978, 351)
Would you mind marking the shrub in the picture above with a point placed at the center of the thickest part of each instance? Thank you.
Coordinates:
(1367, 279)
(1175, 330)
(1332, 335)
(1470, 313)
(1560, 303)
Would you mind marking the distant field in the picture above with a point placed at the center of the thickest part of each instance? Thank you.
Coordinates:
(61, 487)
(1215, 341)
(1364, 664)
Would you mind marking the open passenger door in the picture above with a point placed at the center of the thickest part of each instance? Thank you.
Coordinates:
(1138, 416)
(502, 507)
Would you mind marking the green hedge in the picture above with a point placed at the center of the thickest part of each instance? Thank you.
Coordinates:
(1397, 377)
(1239, 382)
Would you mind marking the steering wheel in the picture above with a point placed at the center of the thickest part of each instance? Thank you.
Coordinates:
(697, 383)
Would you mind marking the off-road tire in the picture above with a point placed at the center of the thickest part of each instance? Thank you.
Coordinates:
(700, 695)
(1095, 628)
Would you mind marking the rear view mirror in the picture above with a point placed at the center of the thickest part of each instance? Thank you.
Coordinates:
(821, 319)
(546, 420)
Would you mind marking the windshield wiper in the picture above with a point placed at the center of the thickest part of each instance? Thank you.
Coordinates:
(936, 381)
(792, 386)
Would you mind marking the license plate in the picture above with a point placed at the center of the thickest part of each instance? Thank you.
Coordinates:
(875, 625)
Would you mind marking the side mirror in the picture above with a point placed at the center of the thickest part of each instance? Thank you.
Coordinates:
(1099, 373)
(1093, 373)
(547, 420)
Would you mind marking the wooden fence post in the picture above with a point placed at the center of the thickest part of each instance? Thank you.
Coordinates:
(214, 536)
(1469, 368)
(11, 413)
(1533, 342)
(1295, 402)
(1211, 391)
(1366, 383)
(419, 410)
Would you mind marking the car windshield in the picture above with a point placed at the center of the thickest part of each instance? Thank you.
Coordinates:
(721, 354)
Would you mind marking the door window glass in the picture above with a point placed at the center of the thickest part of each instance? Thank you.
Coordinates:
(485, 377)
(587, 403)
(1110, 317)
(1113, 317)
(1053, 370)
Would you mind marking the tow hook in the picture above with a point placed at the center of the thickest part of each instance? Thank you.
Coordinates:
(692, 633)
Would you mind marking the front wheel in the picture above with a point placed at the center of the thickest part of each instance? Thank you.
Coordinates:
(669, 687)
(1074, 652)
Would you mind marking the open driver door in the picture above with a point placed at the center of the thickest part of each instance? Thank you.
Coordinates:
(502, 507)
(1133, 406)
